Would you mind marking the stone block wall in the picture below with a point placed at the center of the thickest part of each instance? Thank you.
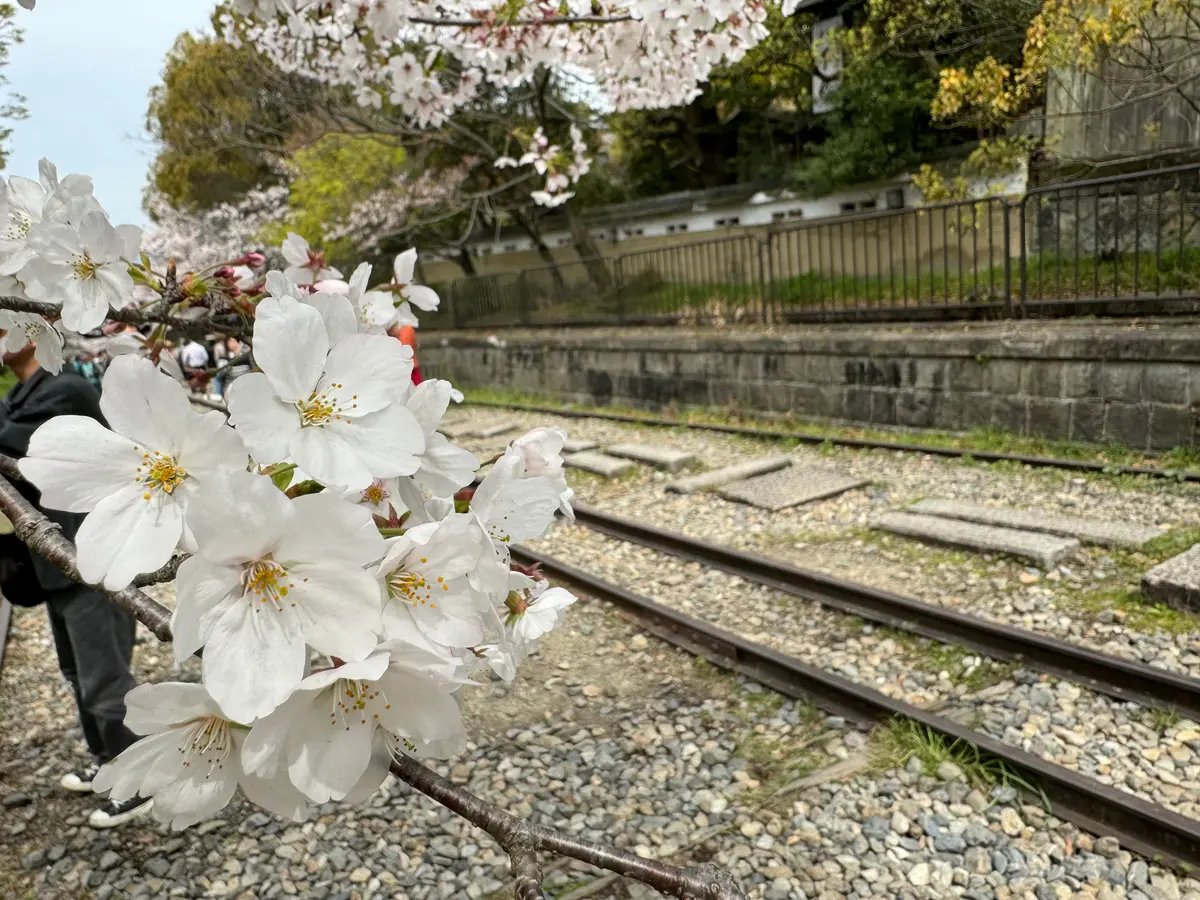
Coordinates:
(1136, 384)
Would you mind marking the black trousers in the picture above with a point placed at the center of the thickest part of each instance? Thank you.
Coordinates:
(94, 640)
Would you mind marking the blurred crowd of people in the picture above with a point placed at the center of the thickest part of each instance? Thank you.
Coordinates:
(213, 364)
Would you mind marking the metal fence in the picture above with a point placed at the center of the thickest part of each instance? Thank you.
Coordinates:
(1120, 245)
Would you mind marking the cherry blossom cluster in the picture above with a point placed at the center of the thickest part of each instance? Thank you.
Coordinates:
(560, 168)
(342, 577)
(205, 240)
(431, 59)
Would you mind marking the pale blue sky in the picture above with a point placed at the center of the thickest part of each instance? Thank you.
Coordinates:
(86, 68)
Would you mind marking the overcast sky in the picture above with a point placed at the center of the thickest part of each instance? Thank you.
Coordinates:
(86, 68)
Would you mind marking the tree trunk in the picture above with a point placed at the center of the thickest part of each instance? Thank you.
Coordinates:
(585, 246)
(466, 263)
(530, 227)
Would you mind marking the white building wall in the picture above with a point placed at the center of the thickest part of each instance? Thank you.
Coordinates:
(781, 209)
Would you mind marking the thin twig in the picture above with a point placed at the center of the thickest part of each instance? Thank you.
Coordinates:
(166, 573)
(704, 880)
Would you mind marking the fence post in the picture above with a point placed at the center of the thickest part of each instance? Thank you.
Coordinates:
(523, 299)
(764, 301)
(619, 288)
(453, 304)
(1022, 260)
(1008, 307)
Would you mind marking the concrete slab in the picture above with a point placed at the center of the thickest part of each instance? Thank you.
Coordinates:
(1047, 550)
(578, 445)
(1175, 582)
(1103, 532)
(494, 430)
(456, 429)
(706, 481)
(598, 463)
(666, 458)
(790, 487)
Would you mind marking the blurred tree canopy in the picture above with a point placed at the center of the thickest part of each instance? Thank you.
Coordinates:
(12, 107)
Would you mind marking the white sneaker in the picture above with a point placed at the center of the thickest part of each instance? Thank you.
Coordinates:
(113, 814)
(80, 782)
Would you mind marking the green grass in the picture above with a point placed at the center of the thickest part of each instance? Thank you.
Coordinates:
(1172, 543)
(1139, 614)
(933, 657)
(901, 740)
(1161, 720)
(939, 280)
(7, 381)
(979, 440)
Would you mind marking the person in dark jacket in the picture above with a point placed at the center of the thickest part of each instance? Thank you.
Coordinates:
(92, 635)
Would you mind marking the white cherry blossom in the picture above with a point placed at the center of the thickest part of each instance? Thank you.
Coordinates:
(418, 295)
(424, 581)
(333, 410)
(29, 328)
(444, 466)
(305, 265)
(271, 577)
(135, 481)
(83, 268)
(189, 763)
(337, 733)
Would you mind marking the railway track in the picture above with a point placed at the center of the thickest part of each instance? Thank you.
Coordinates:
(1075, 465)
(1119, 678)
(1141, 827)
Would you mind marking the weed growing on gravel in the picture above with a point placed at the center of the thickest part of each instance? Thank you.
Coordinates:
(1140, 614)
(901, 740)
(1172, 543)
(1161, 720)
(934, 658)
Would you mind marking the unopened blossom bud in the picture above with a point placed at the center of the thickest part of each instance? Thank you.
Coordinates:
(224, 272)
(253, 260)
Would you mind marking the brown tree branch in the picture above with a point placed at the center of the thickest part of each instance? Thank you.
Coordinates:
(45, 538)
(201, 325)
(519, 839)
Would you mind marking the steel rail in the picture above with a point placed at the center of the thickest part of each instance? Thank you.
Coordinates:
(1141, 827)
(1075, 465)
(1119, 678)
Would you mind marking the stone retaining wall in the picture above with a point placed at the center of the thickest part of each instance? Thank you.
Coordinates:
(1137, 384)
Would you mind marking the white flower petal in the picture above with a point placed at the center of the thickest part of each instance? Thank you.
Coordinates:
(330, 759)
(387, 443)
(295, 249)
(422, 297)
(403, 266)
(266, 423)
(373, 367)
(126, 535)
(254, 658)
(122, 777)
(338, 609)
(210, 446)
(200, 588)
(327, 527)
(157, 707)
(145, 405)
(238, 517)
(76, 462)
(326, 456)
(337, 313)
(290, 345)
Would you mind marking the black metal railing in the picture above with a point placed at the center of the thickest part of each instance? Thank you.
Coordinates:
(1119, 245)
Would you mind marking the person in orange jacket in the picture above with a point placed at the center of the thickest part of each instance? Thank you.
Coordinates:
(407, 335)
